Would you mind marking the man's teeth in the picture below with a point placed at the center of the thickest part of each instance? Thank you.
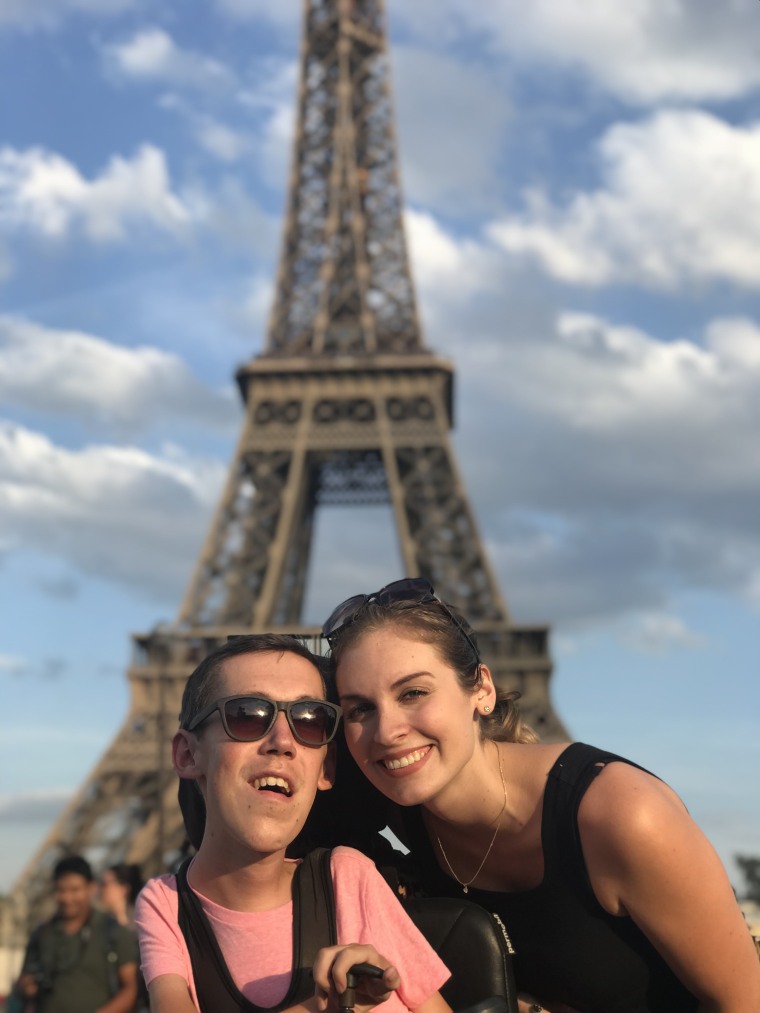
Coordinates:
(404, 761)
(272, 782)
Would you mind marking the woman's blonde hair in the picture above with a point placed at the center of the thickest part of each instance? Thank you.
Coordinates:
(435, 623)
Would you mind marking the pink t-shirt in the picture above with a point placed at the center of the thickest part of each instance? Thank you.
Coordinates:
(258, 946)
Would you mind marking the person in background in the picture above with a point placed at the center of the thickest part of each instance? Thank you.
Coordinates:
(82, 960)
(119, 887)
(612, 897)
(255, 733)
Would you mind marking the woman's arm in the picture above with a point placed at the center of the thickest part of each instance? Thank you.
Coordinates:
(648, 859)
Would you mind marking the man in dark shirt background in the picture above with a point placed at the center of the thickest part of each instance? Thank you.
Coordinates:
(82, 960)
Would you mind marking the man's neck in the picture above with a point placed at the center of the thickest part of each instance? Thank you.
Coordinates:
(250, 882)
(73, 925)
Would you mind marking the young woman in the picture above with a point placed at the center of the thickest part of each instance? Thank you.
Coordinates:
(613, 899)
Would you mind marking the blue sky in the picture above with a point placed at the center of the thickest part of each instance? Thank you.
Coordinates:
(583, 214)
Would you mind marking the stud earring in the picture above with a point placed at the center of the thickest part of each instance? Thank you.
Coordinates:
(486, 709)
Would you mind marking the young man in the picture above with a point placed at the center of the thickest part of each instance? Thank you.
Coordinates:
(254, 736)
(82, 960)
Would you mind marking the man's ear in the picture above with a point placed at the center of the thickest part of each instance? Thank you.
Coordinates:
(184, 749)
(327, 777)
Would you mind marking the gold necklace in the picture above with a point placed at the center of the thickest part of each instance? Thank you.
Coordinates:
(465, 886)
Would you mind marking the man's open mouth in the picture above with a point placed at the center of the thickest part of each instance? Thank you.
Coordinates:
(276, 784)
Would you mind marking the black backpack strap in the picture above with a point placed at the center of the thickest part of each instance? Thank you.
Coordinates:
(313, 912)
(217, 992)
(112, 954)
(314, 926)
(39, 958)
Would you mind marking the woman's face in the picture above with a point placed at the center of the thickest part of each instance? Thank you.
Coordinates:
(113, 894)
(411, 727)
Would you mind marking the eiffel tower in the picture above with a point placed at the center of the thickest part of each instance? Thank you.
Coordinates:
(345, 406)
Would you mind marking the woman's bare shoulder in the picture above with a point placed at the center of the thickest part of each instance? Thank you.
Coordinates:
(630, 821)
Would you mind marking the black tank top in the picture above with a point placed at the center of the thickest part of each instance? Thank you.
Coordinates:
(567, 947)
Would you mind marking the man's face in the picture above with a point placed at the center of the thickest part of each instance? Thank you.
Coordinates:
(73, 895)
(245, 816)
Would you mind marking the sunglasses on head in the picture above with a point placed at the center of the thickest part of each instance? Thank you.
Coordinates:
(413, 589)
(250, 718)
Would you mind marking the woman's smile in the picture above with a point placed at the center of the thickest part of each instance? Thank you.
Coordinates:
(412, 759)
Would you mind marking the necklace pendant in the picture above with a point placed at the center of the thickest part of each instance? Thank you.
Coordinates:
(464, 889)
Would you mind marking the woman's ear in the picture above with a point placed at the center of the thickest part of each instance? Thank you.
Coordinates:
(184, 760)
(485, 692)
(327, 777)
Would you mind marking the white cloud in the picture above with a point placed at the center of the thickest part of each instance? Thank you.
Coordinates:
(585, 373)
(620, 455)
(622, 421)
(42, 192)
(643, 51)
(116, 512)
(39, 806)
(257, 117)
(443, 264)
(152, 55)
(659, 633)
(593, 449)
(680, 202)
(221, 141)
(126, 390)
(456, 278)
(11, 665)
(253, 314)
(674, 400)
(270, 96)
(646, 50)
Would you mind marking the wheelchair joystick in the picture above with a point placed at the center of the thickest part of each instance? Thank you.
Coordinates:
(347, 999)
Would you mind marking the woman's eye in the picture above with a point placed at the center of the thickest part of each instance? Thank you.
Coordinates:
(413, 694)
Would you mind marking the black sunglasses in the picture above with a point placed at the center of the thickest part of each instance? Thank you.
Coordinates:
(414, 589)
(250, 718)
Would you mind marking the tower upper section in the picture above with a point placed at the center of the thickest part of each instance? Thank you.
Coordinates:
(344, 286)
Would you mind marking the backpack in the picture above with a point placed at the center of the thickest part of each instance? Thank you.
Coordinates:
(44, 965)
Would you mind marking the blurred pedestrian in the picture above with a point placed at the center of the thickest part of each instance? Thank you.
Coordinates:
(119, 887)
(81, 960)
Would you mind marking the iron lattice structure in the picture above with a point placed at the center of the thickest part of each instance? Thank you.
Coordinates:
(346, 405)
